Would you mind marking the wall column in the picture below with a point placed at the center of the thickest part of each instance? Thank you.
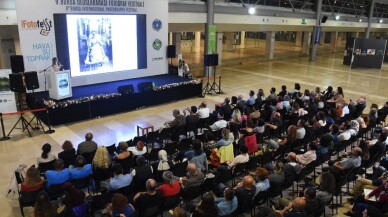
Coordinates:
(339, 38)
(242, 35)
(314, 43)
(333, 41)
(371, 8)
(229, 41)
(176, 40)
(269, 45)
(306, 43)
(322, 38)
(197, 42)
(220, 46)
(170, 38)
(298, 39)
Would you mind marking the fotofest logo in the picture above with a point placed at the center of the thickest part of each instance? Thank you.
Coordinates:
(44, 25)
(157, 44)
(157, 25)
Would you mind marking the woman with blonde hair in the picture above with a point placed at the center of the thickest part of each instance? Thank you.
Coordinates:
(227, 139)
(102, 159)
(32, 182)
(236, 116)
(102, 166)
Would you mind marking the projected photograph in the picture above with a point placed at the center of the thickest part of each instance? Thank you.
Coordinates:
(95, 47)
(101, 43)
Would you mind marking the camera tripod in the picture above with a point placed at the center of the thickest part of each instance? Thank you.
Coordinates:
(212, 87)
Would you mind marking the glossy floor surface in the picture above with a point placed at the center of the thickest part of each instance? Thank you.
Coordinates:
(236, 80)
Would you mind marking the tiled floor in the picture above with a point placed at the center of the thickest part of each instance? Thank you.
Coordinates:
(237, 79)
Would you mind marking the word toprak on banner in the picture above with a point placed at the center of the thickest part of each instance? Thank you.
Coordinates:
(7, 97)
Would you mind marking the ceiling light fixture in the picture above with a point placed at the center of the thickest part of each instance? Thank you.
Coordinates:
(252, 10)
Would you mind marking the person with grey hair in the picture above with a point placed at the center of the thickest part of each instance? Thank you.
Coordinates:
(149, 199)
(179, 120)
(171, 185)
(88, 145)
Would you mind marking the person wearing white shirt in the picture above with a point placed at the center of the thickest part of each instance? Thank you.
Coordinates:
(344, 136)
(203, 111)
(139, 149)
(218, 125)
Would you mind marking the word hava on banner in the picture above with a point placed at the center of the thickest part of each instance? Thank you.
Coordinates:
(44, 25)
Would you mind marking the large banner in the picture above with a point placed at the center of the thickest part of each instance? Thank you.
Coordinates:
(7, 97)
(38, 39)
(212, 42)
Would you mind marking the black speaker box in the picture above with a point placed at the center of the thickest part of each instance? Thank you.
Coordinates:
(324, 18)
(126, 89)
(17, 64)
(145, 86)
(215, 59)
(31, 79)
(171, 51)
(211, 59)
(16, 83)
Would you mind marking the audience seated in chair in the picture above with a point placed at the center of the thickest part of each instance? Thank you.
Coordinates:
(68, 154)
(81, 170)
(43, 206)
(59, 175)
(326, 188)
(119, 179)
(245, 192)
(243, 157)
(171, 185)
(141, 173)
(88, 145)
(262, 182)
(148, 202)
(198, 156)
(227, 204)
(139, 149)
(120, 206)
(179, 120)
(46, 156)
(207, 207)
(220, 124)
(195, 177)
(124, 157)
(73, 197)
(361, 203)
(102, 167)
(32, 181)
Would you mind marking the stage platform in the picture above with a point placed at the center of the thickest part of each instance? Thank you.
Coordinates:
(103, 99)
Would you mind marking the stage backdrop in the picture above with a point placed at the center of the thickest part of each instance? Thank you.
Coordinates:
(38, 43)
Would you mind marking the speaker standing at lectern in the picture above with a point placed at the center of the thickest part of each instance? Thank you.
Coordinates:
(56, 65)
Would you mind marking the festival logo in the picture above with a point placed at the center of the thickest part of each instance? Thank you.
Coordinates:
(157, 24)
(157, 44)
(44, 25)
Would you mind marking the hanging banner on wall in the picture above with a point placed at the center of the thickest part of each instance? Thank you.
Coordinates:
(180, 65)
(60, 28)
(212, 40)
(7, 97)
(318, 35)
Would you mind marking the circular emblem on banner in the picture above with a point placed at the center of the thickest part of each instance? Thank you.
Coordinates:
(157, 44)
(157, 24)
